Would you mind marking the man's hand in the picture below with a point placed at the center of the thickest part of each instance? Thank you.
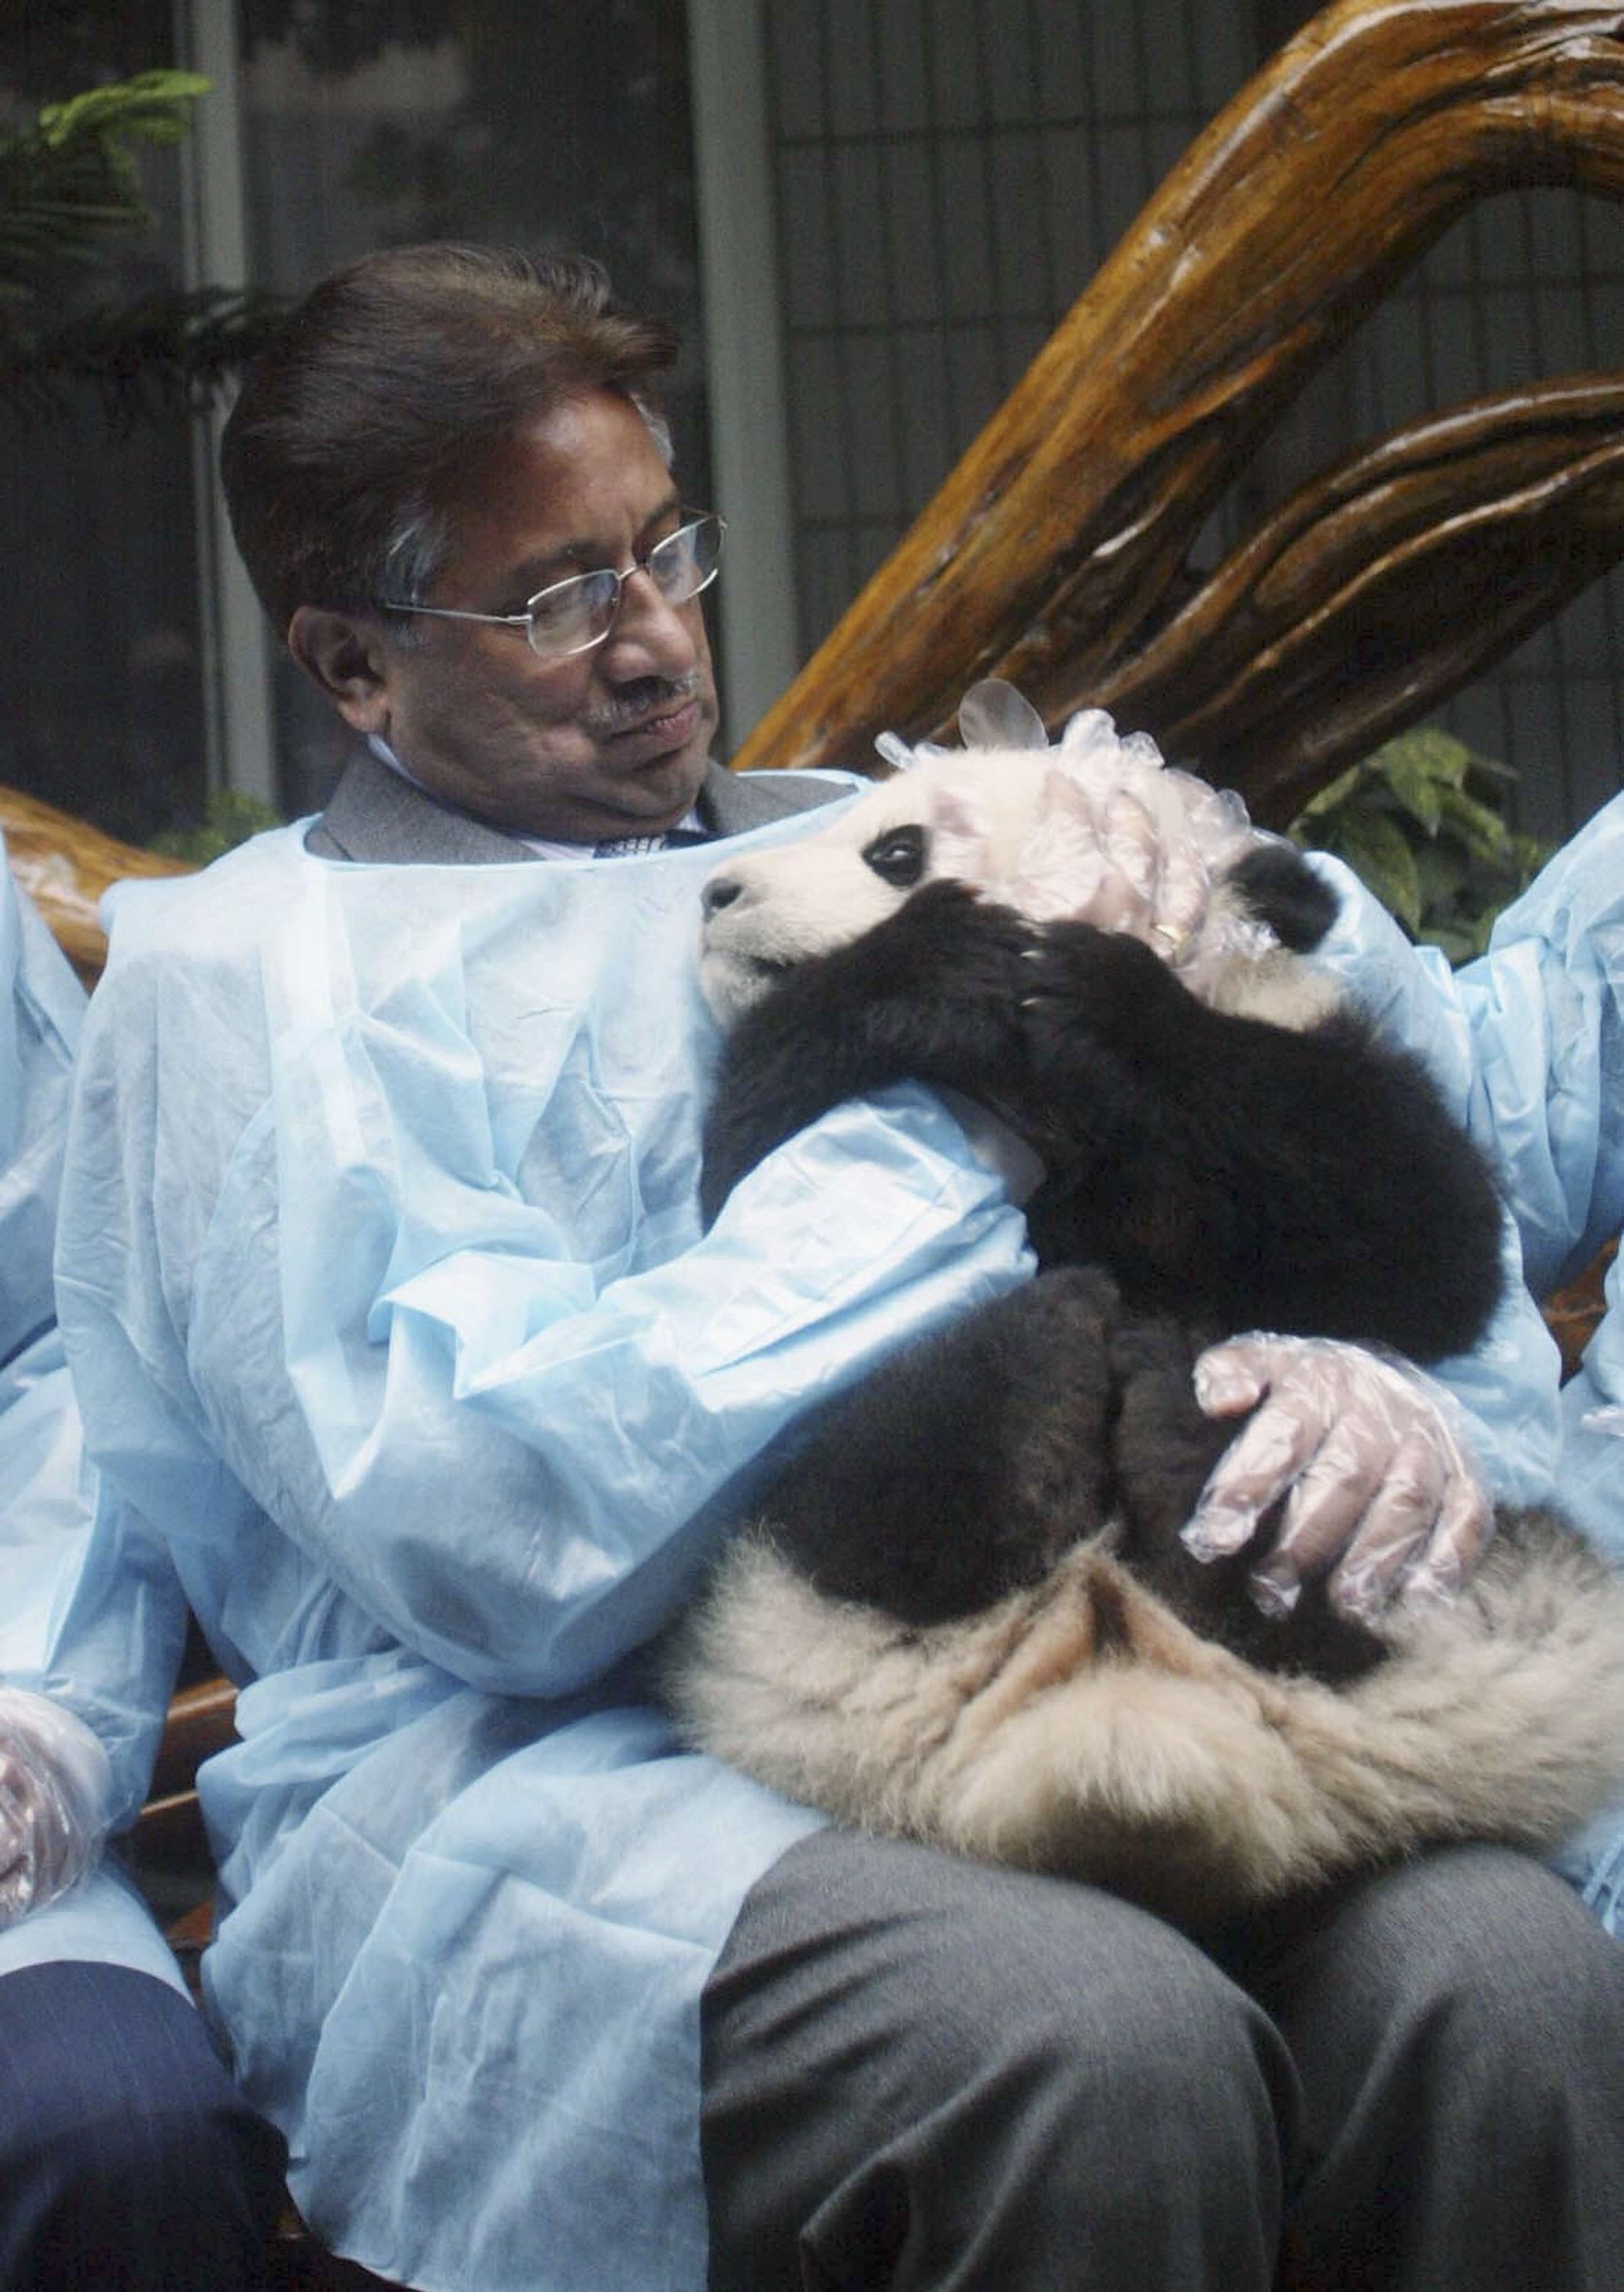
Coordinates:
(1108, 858)
(1369, 1456)
(55, 1785)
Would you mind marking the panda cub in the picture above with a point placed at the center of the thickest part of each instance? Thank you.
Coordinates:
(964, 1612)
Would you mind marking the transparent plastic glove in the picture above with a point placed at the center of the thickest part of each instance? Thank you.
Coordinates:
(1117, 837)
(1118, 849)
(56, 1791)
(1370, 1457)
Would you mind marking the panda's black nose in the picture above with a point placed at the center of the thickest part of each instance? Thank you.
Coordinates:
(720, 892)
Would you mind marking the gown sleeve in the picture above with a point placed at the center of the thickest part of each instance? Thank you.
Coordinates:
(1528, 1043)
(301, 1255)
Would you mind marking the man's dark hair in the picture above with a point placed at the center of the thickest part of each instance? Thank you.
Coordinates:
(355, 426)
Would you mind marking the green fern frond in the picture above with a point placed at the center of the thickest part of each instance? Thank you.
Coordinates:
(71, 193)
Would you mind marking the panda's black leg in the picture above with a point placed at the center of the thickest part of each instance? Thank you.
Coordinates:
(1164, 1449)
(964, 1465)
(1280, 887)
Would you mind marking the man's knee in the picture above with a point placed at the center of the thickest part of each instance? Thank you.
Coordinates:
(1534, 1988)
(1467, 1987)
(979, 1964)
(1486, 1943)
(901, 2045)
(127, 2159)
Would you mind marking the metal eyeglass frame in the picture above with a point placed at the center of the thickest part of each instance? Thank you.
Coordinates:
(581, 583)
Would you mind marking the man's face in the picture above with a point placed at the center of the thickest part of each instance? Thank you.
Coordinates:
(609, 742)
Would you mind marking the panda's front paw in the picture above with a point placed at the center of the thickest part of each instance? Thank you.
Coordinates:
(931, 994)
(948, 941)
(944, 982)
(1103, 986)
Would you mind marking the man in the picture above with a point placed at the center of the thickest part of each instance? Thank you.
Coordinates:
(386, 1290)
(126, 2161)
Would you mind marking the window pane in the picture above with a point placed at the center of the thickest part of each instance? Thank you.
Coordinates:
(552, 125)
(99, 613)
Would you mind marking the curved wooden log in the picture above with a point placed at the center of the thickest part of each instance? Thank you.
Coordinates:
(1380, 588)
(65, 864)
(1049, 554)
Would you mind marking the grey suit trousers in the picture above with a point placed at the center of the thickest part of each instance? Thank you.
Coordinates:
(923, 2073)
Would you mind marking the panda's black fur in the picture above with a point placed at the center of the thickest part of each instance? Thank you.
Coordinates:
(964, 1611)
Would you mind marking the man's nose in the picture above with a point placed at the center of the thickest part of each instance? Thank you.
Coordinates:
(649, 632)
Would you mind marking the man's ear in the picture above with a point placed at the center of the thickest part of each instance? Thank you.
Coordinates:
(346, 655)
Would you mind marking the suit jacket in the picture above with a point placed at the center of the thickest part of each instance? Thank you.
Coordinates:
(375, 815)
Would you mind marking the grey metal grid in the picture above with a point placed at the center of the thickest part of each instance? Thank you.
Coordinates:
(948, 176)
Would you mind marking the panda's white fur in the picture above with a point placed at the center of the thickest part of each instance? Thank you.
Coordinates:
(1079, 1725)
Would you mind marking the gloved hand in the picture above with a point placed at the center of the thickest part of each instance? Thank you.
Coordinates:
(56, 1789)
(1124, 856)
(1119, 839)
(1369, 1456)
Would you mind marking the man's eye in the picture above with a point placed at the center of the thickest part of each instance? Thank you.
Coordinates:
(898, 857)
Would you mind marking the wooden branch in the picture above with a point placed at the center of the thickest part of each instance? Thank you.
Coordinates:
(1047, 553)
(202, 1721)
(1381, 588)
(65, 864)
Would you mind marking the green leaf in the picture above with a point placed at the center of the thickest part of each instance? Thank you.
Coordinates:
(1415, 788)
(1482, 830)
(155, 104)
(1380, 853)
(229, 819)
(1422, 821)
(1330, 798)
(69, 182)
(69, 190)
(1436, 755)
(1441, 870)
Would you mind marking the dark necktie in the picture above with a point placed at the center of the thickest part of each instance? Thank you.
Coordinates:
(616, 847)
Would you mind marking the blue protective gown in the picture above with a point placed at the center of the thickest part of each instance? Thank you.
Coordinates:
(73, 1623)
(383, 1283)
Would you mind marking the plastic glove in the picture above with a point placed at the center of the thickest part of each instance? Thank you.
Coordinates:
(1123, 854)
(1119, 840)
(56, 1789)
(1369, 1456)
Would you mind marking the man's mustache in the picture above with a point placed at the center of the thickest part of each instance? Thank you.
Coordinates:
(652, 696)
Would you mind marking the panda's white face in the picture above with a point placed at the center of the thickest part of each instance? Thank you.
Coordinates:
(766, 911)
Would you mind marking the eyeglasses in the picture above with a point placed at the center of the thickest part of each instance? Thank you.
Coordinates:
(572, 615)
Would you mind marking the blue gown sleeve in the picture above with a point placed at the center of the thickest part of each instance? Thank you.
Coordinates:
(1509, 1383)
(90, 1613)
(1546, 1009)
(301, 1241)
(42, 1008)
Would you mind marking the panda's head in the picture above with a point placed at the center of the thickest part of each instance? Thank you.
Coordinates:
(766, 911)
(1029, 824)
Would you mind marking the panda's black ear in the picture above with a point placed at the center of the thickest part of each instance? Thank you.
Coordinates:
(1281, 890)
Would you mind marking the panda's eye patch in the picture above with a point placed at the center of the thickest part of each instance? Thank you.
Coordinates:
(898, 856)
